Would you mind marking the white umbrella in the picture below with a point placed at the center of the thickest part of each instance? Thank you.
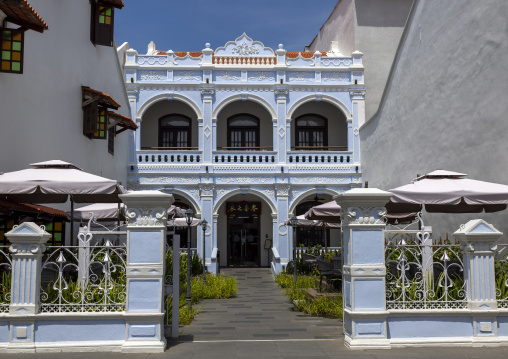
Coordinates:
(302, 222)
(449, 192)
(327, 212)
(53, 182)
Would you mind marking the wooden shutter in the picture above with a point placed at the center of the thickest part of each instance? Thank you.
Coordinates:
(90, 115)
(103, 24)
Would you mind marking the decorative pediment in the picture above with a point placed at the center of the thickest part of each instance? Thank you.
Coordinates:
(244, 46)
(477, 230)
(27, 228)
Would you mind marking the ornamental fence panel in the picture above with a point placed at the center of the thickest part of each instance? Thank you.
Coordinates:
(422, 273)
(501, 275)
(85, 278)
(5, 279)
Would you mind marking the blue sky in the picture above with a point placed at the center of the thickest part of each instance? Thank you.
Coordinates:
(186, 25)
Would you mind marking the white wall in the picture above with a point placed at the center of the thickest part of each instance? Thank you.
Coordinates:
(41, 112)
(445, 106)
(373, 27)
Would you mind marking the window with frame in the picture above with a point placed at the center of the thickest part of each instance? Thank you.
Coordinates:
(175, 131)
(12, 50)
(243, 131)
(311, 132)
(101, 29)
(95, 121)
(56, 228)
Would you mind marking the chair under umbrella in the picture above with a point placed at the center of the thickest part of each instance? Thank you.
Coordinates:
(449, 192)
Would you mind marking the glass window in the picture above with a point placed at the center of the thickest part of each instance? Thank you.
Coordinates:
(243, 131)
(311, 133)
(12, 50)
(175, 132)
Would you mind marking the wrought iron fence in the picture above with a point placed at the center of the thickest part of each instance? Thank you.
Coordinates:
(422, 273)
(83, 278)
(501, 272)
(5, 279)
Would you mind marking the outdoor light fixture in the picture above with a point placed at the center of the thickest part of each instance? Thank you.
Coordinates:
(204, 223)
(189, 215)
(293, 221)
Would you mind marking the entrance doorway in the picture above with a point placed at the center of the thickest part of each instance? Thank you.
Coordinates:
(243, 233)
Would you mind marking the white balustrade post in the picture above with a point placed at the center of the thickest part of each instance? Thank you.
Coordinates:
(364, 268)
(84, 238)
(27, 245)
(478, 239)
(146, 260)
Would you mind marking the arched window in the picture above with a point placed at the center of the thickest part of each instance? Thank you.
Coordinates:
(311, 132)
(243, 131)
(309, 236)
(175, 131)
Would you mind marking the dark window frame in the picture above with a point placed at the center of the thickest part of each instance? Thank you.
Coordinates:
(101, 34)
(175, 129)
(311, 129)
(91, 120)
(243, 129)
(11, 50)
(111, 140)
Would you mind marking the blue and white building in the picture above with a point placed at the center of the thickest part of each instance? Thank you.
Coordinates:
(246, 136)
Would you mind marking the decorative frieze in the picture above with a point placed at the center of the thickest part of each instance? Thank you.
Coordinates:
(152, 75)
(301, 76)
(242, 179)
(187, 75)
(282, 189)
(228, 75)
(152, 60)
(329, 76)
(261, 76)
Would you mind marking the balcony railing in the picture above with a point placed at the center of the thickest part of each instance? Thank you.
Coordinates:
(244, 157)
(319, 157)
(164, 155)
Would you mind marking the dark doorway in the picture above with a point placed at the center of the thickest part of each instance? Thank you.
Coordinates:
(243, 233)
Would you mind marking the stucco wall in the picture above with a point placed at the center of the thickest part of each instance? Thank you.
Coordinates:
(41, 112)
(373, 27)
(445, 105)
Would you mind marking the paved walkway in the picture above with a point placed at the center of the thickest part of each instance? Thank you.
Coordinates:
(259, 311)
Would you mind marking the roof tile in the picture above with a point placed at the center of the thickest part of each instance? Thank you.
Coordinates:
(21, 13)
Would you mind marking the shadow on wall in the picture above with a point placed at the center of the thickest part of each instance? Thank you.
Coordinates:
(386, 13)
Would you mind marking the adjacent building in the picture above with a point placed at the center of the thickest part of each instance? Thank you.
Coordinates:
(62, 94)
(246, 136)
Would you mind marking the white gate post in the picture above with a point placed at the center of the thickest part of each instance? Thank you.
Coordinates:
(27, 245)
(478, 239)
(364, 268)
(146, 259)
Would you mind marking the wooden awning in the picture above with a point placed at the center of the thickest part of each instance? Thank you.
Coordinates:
(90, 95)
(115, 3)
(126, 123)
(8, 207)
(20, 12)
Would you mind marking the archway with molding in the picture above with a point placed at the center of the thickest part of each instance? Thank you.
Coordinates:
(235, 192)
(318, 97)
(244, 97)
(178, 192)
(168, 97)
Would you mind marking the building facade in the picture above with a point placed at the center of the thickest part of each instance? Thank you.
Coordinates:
(246, 136)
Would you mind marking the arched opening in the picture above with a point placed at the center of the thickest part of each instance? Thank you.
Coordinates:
(169, 125)
(318, 235)
(184, 204)
(239, 125)
(318, 126)
(244, 231)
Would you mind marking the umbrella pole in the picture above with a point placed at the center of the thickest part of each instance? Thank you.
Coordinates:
(326, 239)
(72, 221)
(118, 216)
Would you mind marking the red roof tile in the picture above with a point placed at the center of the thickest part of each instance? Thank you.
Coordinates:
(20, 12)
(183, 53)
(103, 98)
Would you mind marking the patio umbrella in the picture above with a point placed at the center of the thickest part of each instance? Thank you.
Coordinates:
(449, 192)
(302, 222)
(327, 212)
(53, 182)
